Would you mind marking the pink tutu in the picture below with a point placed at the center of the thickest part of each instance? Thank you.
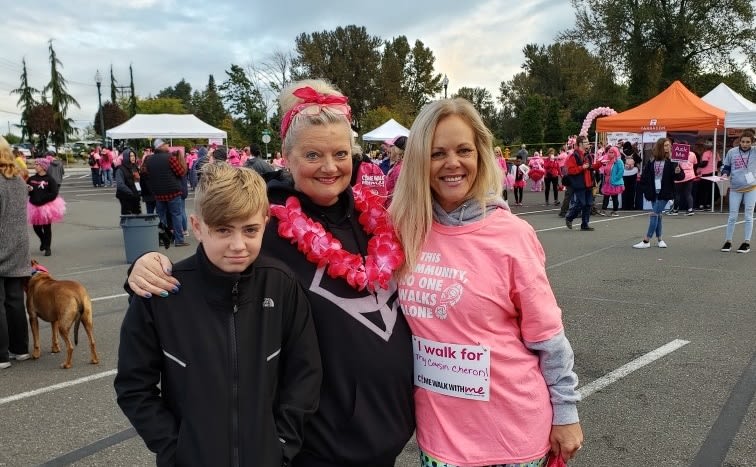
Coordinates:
(536, 174)
(609, 189)
(509, 181)
(48, 213)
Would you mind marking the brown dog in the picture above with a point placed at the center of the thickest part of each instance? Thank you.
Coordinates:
(63, 304)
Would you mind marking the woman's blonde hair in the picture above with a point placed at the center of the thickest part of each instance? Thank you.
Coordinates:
(287, 100)
(8, 167)
(226, 194)
(411, 209)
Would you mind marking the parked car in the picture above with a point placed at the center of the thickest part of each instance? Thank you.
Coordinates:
(25, 148)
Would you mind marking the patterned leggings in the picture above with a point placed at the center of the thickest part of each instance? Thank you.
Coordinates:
(426, 460)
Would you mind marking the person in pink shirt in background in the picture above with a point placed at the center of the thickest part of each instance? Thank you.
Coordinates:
(684, 187)
(493, 376)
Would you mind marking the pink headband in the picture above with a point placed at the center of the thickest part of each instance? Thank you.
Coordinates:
(311, 97)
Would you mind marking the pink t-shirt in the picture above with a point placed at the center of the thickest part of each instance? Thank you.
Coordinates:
(371, 176)
(471, 289)
(688, 168)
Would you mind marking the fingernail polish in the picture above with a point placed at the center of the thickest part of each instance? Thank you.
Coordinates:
(148, 295)
(164, 294)
(167, 270)
(175, 290)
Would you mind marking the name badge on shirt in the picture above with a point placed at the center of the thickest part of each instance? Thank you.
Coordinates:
(750, 179)
(657, 184)
(138, 186)
(452, 369)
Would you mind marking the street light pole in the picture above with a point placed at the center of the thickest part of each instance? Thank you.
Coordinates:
(445, 82)
(98, 80)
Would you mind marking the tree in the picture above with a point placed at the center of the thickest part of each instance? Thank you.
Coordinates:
(25, 100)
(11, 138)
(209, 107)
(738, 81)
(553, 132)
(348, 56)
(422, 84)
(392, 86)
(158, 105)
(482, 100)
(41, 122)
(245, 103)
(132, 98)
(182, 91)
(655, 43)
(60, 99)
(113, 86)
(112, 116)
(533, 120)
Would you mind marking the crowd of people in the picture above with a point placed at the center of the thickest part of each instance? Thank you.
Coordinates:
(337, 303)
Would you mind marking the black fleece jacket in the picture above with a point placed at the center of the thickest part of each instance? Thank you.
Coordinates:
(226, 372)
(366, 413)
(668, 178)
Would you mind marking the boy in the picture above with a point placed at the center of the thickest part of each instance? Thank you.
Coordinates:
(234, 352)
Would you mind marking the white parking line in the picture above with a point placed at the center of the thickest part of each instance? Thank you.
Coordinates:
(55, 387)
(120, 295)
(584, 391)
(628, 368)
(594, 222)
(703, 230)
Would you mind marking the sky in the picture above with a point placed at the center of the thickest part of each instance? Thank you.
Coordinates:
(477, 43)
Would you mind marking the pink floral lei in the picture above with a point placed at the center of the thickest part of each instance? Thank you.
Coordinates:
(320, 247)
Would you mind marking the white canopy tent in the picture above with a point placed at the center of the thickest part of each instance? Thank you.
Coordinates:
(166, 126)
(728, 100)
(388, 130)
(739, 113)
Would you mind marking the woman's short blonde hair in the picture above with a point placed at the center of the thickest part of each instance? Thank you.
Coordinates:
(226, 194)
(8, 167)
(412, 205)
(287, 100)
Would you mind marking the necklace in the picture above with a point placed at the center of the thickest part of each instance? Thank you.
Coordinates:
(320, 247)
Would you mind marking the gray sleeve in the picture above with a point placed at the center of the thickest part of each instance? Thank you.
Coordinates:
(556, 361)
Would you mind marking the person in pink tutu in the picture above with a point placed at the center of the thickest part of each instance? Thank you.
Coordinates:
(507, 183)
(536, 172)
(45, 206)
(614, 183)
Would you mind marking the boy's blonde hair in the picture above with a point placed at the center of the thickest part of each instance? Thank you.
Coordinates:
(226, 194)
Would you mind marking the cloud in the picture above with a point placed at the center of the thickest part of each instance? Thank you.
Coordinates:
(476, 43)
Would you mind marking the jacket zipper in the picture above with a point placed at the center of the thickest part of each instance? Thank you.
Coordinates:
(235, 385)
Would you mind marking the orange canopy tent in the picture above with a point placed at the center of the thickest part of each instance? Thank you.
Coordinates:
(674, 109)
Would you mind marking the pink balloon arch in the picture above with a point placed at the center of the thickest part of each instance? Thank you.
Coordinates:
(597, 112)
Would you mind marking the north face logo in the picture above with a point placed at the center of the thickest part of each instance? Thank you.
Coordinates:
(268, 303)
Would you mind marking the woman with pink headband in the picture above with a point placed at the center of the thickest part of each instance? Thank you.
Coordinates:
(338, 242)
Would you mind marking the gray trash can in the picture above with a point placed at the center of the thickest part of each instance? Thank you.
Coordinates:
(140, 234)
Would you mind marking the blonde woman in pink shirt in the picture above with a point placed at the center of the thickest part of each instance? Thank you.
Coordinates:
(493, 369)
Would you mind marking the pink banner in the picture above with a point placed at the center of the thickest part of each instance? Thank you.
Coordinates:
(680, 152)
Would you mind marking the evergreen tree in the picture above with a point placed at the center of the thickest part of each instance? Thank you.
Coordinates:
(532, 120)
(25, 101)
(132, 99)
(211, 110)
(423, 83)
(553, 132)
(113, 86)
(245, 103)
(348, 57)
(60, 99)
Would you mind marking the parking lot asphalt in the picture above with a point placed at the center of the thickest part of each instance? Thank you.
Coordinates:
(663, 338)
